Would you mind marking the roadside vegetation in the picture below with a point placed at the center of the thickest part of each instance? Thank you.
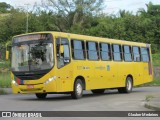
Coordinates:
(156, 59)
(2, 92)
(155, 82)
(83, 17)
(5, 81)
(149, 97)
(4, 65)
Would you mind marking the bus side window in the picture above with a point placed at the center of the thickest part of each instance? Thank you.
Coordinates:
(63, 57)
(127, 53)
(78, 49)
(105, 51)
(117, 52)
(145, 54)
(92, 50)
(136, 54)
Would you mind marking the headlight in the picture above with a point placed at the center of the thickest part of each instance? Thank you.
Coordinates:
(14, 82)
(49, 80)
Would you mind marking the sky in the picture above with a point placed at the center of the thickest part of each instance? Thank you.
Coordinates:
(111, 6)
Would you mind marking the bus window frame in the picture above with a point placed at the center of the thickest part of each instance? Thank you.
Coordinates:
(121, 52)
(145, 54)
(109, 52)
(130, 52)
(84, 50)
(96, 50)
(139, 47)
(60, 55)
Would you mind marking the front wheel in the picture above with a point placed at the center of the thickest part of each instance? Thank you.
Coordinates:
(128, 86)
(78, 89)
(41, 95)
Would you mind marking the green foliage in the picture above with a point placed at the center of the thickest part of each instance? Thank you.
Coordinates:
(4, 7)
(156, 59)
(5, 80)
(2, 92)
(4, 64)
(83, 17)
(149, 97)
(155, 82)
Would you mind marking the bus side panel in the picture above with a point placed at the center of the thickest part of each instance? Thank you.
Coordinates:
(65, 78)
(125, 69)
(138, 73)
(104, 74)
(147, 76)
(83, 69)
(114, 69)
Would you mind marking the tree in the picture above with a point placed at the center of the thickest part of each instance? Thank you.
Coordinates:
(151, 24)
(70, 13)
(4, 7)
(124, 13)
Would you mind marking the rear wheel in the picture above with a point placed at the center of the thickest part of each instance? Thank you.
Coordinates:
(41, 95)
(78, 89)
(98, 91)
(128, 86)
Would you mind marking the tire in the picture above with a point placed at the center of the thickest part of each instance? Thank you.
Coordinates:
(128, 86)
(41, 95)
(98, 91)
(120, 90)
(78, 89)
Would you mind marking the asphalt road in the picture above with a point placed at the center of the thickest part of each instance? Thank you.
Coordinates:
(111, 100)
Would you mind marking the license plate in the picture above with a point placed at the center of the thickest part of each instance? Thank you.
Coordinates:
(30, 86)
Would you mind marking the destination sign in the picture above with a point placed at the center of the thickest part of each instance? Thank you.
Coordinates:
(31, 37)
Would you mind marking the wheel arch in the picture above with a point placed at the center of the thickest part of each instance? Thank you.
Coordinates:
(129, 75)
(82, 79)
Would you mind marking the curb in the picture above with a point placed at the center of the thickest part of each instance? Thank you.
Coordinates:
(153, 104)
(6, 90)
(149, 106)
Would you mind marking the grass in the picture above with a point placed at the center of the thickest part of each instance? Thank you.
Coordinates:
(4, 64)
(155, 82)
(5, 81)
(156, 59)
(149, 97)
(2, 92)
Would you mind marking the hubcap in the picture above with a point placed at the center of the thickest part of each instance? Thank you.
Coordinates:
(129, 85)
(79, 89)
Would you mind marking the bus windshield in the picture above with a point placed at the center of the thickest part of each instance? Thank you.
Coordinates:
(32, 55)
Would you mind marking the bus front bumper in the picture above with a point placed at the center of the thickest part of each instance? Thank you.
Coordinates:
(39, 88)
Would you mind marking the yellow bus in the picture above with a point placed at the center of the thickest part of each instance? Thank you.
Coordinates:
(56, 62)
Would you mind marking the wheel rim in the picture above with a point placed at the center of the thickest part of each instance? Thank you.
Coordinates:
(79, 89)
(129, 85)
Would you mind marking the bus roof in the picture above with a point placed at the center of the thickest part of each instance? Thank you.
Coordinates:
(90, 38)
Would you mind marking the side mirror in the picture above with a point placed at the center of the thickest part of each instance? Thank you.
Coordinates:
(61, 49)
(7, 55)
